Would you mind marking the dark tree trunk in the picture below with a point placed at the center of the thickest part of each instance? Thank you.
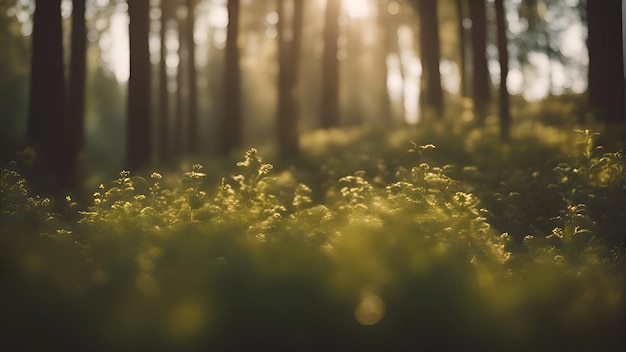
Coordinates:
(178, 143)
(461, 14)
(46, 128)
(76, 101)
(480, 90)
(138, 133)
(163, 117)
(503, 57)
(385, 27)
(606, 71)
(288, 59)
(330, 67)
(432, 96)
(192, 122)
(231, 136)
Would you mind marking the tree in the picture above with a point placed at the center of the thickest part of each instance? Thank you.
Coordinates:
(180, 72)
(231, 121)
(606, 70)
(432, 95)
(503, 58)
(76, 101)
(45, 124)
(389, 42)
(14, 88)
(288, 63)
(163, 116)
(330, 67)
(480, 91)
(138, 133)
(192, 122)
(461, 17)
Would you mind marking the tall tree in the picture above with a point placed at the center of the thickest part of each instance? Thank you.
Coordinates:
(288, 63)
(138, 132)
(460, 8)
(231, 136)
(178, 142)
(330, 66)
(163, 116)
(432, 95)
(480, 91)
(76, 101)
(503, 57)
(46, 125)
(606, 70)
(388, 41)
(192, 113)
(14, 85)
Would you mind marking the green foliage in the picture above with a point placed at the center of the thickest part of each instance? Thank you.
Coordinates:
(192, 182)
(423, 260)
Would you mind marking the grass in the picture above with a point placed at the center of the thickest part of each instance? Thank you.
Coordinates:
(454, 241)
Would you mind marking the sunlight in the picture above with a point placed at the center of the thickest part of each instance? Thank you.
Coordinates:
(358, 9)
(119, 50)
(412, 90)
(371, 308)
(394, 77)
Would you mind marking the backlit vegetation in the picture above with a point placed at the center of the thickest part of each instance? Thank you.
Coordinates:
(370, 250)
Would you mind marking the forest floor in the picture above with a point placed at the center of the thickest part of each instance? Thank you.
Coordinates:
(440, 237)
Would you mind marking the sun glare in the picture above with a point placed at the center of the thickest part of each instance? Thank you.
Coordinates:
(358, 8)
(119, 50)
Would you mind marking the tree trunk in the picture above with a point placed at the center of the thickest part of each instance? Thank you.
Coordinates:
(288, 62)
(461, 14)
(163, 119)
(606, 70)
(389, 26)
(480, 92)
(330, 67)
(46, 121)
(503, 57)
(76, 101)
(192, 121)
(178, 142)
(138, 133)
(385, 27)
(432, 96)
(231, 136)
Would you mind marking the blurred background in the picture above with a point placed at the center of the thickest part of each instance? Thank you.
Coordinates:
(147, 81)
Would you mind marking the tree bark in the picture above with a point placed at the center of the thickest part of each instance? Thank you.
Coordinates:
(76, 101)
(163, 117)
(192, 122)
(178, 143)
(330, 67)
(432, 95)
(385, 28)
(231, 136)
(606, 70)
(480, 91)
(461, 15)
(46, 127)
(288, 62)
(503, 57)
(138, 133)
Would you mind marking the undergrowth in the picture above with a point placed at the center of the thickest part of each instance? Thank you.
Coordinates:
(402, 254)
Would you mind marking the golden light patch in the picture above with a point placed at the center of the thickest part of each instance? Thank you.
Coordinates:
(186, 318)
(371, 308)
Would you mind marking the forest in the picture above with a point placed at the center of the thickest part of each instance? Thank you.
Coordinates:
(307, 175)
